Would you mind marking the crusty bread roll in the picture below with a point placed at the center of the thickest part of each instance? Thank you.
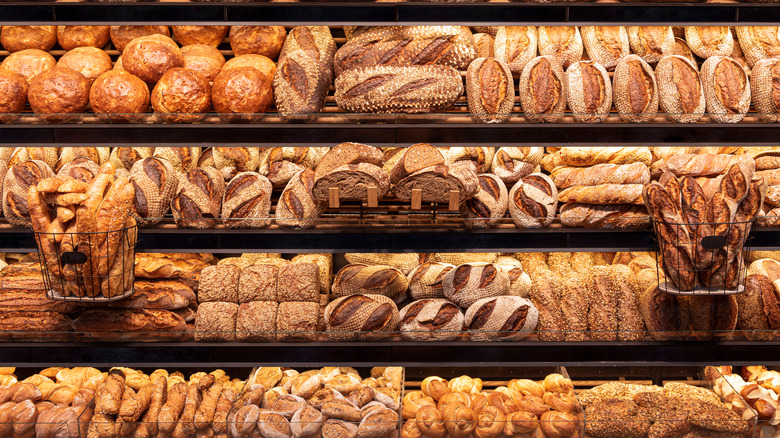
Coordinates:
(488, 206)
(18, 38)
(651, 43)
(562, 42)
(533, 201)
(155, 184)
(357, 278)
(181, 96)
(635, 91)
(13, 96)
(361, 316)
(515, 46)
(211, 35)
(432, 319)
(119, 96)
(606, 45)
(122, 35)
(726, 89)
(242, 94)
(59, 95)
(425, 281)
(588, 91)
(89, 61)
(404, 262)
(542, 90)
(70, 37)
(470, 282)
(198, 201)
(204, 59)
(149, 57)
(501, 318)
(679, 88)
(28, 63)
(706, 41)
(490, 90)
(297, 207)
(247, 201)
(258, 40)
(512, 163)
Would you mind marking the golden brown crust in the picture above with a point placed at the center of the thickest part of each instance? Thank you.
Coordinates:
(120, 95)
(242, 93)
(29, 63)
(89, 61)
(70, 37)
(183, 95)
(211, 35)
(17, 38)
(490, 90)
(57, 93)
(259, 40)
(151, 56)
(122, 35)
(13, 95)
(204, 59)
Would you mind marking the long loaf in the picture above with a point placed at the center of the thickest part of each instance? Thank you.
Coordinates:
(603, 194)
(634, 173)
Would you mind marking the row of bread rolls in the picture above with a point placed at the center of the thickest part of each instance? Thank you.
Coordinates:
(752, 393)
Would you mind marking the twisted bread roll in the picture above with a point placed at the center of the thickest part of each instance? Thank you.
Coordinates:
(533, 201)
(471, 282)
(430, 319)
(358, 278)
(374, 315)
(501, 318)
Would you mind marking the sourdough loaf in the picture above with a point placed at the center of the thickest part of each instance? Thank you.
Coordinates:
(352, 181)
(482, 157)
(604, 216)
(358, 278)
(635, 91)
(404, 262)
(758, 308)
(425, 281)
(125, 157)
(199, 199)
(664, 316)
(651, 43)
(485, 45)
(348, 153)
(706, 41)
(247, 201)
(512, 163)
(765, 99)
(415, 158)
(634, 173)
(17, 181)
(280, 164)
(680, 90)
(116, 324)
(183, 159)
(98, 155)
(232, 160)
(606, 45)
(165, 294)
(155, 184)
(542, 90)
(436, 182)
(588, 91)
(297, 207)
(681, 49)
(758, 42)
(432, 319)
(501, 318)
(562, 42)
(533, 201)
(695, 165)
(488, 206)
(470, 282)
(726, 88)
(361, 316)
(515, 46)
(490, 90)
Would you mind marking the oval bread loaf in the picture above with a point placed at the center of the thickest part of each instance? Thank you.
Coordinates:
(82, 169)
(125, 157)
(432, 319)
(470, 282)
(404, 262)
(765, 96)
(488, 206)
(588, 91)
(501, 318)
(651, 43)
(606, 45)
(592, 155)
(706, 41)
(155, 183)
(515, 46)
(425, 281)
(681, 48)
(520, 284)
(680, 91)
(348, 153)
(485, 45)
(232, 160)
(199, 199)
(603, 194)
(247, 201)
(297, 207)
(758, 308)
(604, 216)
(22, 154)
(99, 155)
(490, 90)
(758, 42)
(635, 91)
(460, 258)
(726, 89)
(361, 316)
(357, 278)
(18, 180)
(542, 90)
(533, 201)
(562, 42)
(634, 173)
(512, 163)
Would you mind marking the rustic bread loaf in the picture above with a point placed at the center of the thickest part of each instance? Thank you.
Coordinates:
(515, 46)
(23, 325)
(485, 45)
(726, 88)
(117, 324)
(121, 36)
(297, 207)
(630, 324)
(357, 278)
(404, 262)
(257, 40)
(21, 154)
(18, 38)
(706, 41)
(501, 318)
(604, 216)
(216, 322)
(533, 201)
(353, 181)
(512, 163)
(758, 42)
(425, 281)
(488, 206)
(348, 153)
(242, 94)
(256, 321)
(16, 183)
(279, 165)
(542, 90)
(297, 321)
(28, 63)
(758, 308)
(298, 281)
(70, 37)
(634, 173)
(165, 294)
(149, 57)
(325, 264)
(258, 283)
(211, 35)
(181, 96)
(635, 91)
(767, 103)
(91, 62)
(232, 160)
(588, 91)
(432, 319)
(482, 157)
(490, 90)
(664, 316)
(651, 43)
(58, 95)
(681, 49)
(603, 194)
(562, 42)
(13, 98)
(712, 316)
(98, 155)
(436, 182)
(247, 201)
(546, 297)
(415, 158)
(602, 315)
(388, 89)
(183, 159)
(606, 45)
(219, 283)
(155, 184)
(696, 165)
(520, 284)
(371, 317)
(680, 91)
(470, 282)
(119, 96)
(198, 201)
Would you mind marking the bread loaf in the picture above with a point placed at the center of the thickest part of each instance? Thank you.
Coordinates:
(216, 322)
(765, 73)
(122, 35)
(348, 153)
(28, 63)
(256, 321)
(651, 43)
(589, 156)
(533, 201)
(436, 182)
(198, 201)
(546, 297)
(602, 315)
(482, 157)
(706, 41)
(501, 318)
(485, 45)
(604, 216)
(204, 59)
(241, 94)
(91, 62)
(352, 181)
(432, 319)
(758, 42)
(13, 89)
(426, 280)
(181, 96)
(21, 154)
(562, 42)
(470, 282)
(574, 305)
(515, 46)
(247, 201)
(361, 317)
(167, 295)
(519, 282)
(635, 91)
(29, 325)
(117, 324)
(695, 165)
(125, 157)
(404, 262)
(325, 264)
(681, 49)
(149, 57)
(258, 40)
(59, 94)
(666, 319)
(606, 45)
(680, 90)
(388, 89)
(415, 158)
(588, 91)
(356, 278)
(98, 155)
(17, 181)
(155, 184)
(512, 163)
(297, 321)
(17, 38)
(280, 164)
(297, 207)
(712, 317)
(634, 173)
(726, 88)
(603, 194)
(542, 90)
(489, 206)
(70, 37)
(758, 312)
(490, 90)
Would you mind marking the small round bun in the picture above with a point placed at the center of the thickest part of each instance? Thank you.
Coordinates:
(13, 95)
(29, 63)
(71, 37)
(58, 94)
(119, 96)
(260, 62)
(151, 56)
(241, 94)
(122, 35)
(189, 35)
(89, 61)
(18, 38)
(204, 59)
(258, 40)
(182, 96)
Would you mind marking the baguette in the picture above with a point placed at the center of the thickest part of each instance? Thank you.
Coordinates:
(589, 156)
(765, 73)
(635, 91)
(603, 194)
(651, 43)
(726, 88)
(542, 90)
(604, 216)
(588, 91)
(634, 173)
(680, 89)
(606, 45)
(562, 42)
(707, 41)
(695, 165)
(490, 90)
(515, 46)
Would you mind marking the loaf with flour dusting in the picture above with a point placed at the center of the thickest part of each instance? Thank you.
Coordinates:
(533, 201)
(247, 201)
(199, 199)
(155, 184)
(488, 206)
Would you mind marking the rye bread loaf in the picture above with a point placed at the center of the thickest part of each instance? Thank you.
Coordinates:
(488, 206)
(155, 183)
(470, 282)
(297, 207)
(352, 181)
(490, 90)
(588, 91)
(706, 41)
(198, 201)
(758, 42)
(542, 90)
(681, 48)
(680, 90)
(425, 281)
(606, 45)
(361, 317)
(348, 153)
(389, 89)
(712, 316)
(484, 43)
(533, 201)
(216, 322)
(726, 88)
(460, 258)
(432, 319)
(515, 46)
(415, 158)
(17, 182)
(501, 318)
(256, 321)
(603, 194)
(604, 216)
(247, 201)
(564, 43)
(298, 281)
(651, 43)
(766, 100)
(325, 264)
(634, 173)
(436, 182)
(404, 262)
(635, 91)
(512, 163)
(664, 316)
(481, 156)
(168, 295)
(358, 278)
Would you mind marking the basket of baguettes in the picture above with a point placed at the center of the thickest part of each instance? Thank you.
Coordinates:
(85, 236)
(701, 238)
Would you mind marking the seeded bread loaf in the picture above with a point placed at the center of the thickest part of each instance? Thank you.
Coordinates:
(651, 43)
(512, 163)
(635, 91)
(256, 321)
(297, 321)
(679, 88)
(726, 88)
(488, 206)
(247, 201)
(199, 199)
(432, 319)
(216, 322)
(360, 317)
(490, 90)
(562, 42)
(155, 184)
(533, 201)
(542, 90)
(588, 91)
(501, 318)
(515, 46)
(706, 41)
(324, 263)
(606, 45)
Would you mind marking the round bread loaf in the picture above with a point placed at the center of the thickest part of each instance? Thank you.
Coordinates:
(404, 262)
(432, 319)
(488, 206)
(542, 90)
(520, 284)
(765, 100)
(13, 96)
(183, 159)
(247, 201)
(181, 96)
(70, 37)
(562, 42)
(98, 155)
(91, 62)
(233, 160)
(155, 183)
(470, 282)
(635, 91)
(259, 40)
(706, 41)
(588, 91)
(361, 317)
(726, 89)
(759, 308)
(515, 46)
(426, 280)
(151, 56)
(119, 96)
(198, 201)
(357, 278)
(666, 319)
(501, 318)
(651, 43)
(81, 168)
(29, 63)
(122, 35)
(204, 59)
(242, 94)
(260, 62)
(680, 90)
(533, 201)
(18, 38)
(59, 94)
(512, 163)
(211, 35)
(17, 182)
(297, 207)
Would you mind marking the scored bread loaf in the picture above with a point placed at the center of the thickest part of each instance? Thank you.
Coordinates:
(635, 91)
(542, 90)
(470, 282)
(488, 206)
(546, 297)
(460, 258)
(666, 319)
(766, 101)
(588, 91)
(651, 43)
(404, 262)
(183, 159)
(512, 163)
(726, 88)
(279, 165)
(533, 201)
(758, 42)
(247, 201)
(16, 184)
(515, 46)
(432, 319)
(352, 182)
(155, 184)
(359, 317)
(758, 308)
(297, 207)
(681, 49)
(482, 157)
(694, 165)
(357, 278)
(712, 316)
(436, 182)
(519, 282)
(99, 155)
(680, 91)
(484, 43)
(634, 173)
(604, 216)
(198, 201)
(125, 157)
(589, 156)
(81, 169)
(233, 160)
(501, 318)
(562, 42)
(606, 45)
(388, 89)
(603, 194)
(325, 264)
(706, 41)
(116, 324)
(425, 281)
(490, 90)
(22, 154)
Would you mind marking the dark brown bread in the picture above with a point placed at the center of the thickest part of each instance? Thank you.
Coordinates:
(712, 317)
(758, 308)
(726, 89)
(666, 319)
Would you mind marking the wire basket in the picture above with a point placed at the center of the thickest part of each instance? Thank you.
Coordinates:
(701, 258)
(88, 267)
